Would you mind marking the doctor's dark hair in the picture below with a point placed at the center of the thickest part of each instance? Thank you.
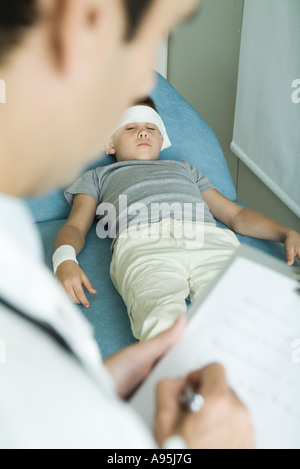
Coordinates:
(135, 11)
(16, 16)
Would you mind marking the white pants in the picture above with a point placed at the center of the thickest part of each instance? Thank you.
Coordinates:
(156, 267)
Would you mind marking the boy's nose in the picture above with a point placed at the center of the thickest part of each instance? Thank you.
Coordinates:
(143, 133)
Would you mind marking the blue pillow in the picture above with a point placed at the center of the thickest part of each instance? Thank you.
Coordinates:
(192, 140)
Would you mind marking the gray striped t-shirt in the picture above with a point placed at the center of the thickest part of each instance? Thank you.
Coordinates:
(137, 192)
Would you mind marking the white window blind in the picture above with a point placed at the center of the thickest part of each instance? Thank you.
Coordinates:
(267, 119)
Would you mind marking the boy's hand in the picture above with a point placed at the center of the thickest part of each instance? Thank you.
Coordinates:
(72, 278)
(292, 246)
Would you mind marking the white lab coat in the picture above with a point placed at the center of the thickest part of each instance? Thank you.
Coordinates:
(48, 398)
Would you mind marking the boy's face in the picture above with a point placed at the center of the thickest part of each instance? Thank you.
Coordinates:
(136, 141)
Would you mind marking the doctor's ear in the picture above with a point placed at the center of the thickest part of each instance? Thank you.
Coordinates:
(109, 148)
(75, 28)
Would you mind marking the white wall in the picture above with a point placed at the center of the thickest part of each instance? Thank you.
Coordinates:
(162, 59)
(203, 61)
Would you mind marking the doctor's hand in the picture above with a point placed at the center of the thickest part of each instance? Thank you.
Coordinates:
(73, 279)
(292, 246)
(222, 423)
(130, 366)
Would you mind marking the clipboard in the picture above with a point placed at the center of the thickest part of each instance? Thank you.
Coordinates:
(247, 319)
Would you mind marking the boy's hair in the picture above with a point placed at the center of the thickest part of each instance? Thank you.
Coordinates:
(147, 101)
(16, 16)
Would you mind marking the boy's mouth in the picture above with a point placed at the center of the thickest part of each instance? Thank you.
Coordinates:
(144, 144)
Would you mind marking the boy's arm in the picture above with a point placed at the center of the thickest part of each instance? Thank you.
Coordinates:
(78, 224)
(252, 223)
(73, 233)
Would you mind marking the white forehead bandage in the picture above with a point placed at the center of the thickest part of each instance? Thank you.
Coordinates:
(148, 115)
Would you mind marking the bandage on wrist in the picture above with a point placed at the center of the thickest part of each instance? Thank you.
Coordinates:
(62, 254)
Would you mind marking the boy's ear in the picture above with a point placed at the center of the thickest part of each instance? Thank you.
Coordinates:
(109, 148)
(161, 142)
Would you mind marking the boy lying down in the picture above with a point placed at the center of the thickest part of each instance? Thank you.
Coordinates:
(161, 217)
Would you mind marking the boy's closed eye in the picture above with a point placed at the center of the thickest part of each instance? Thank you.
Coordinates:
(147, 128)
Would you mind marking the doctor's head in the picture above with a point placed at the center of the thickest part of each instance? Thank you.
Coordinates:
(71, 69)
